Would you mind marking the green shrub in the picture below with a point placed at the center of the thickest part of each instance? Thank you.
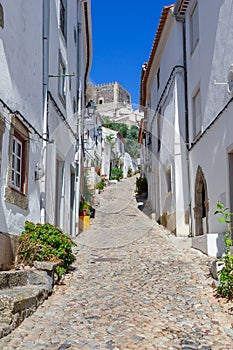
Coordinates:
(225, 288)
(116, 174)
(129, 172)
(141, 185)
(45, 242)
(100, 185)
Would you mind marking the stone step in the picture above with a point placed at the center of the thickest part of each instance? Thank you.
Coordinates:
(21, 292)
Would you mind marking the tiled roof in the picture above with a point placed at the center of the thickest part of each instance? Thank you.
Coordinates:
(144, 76)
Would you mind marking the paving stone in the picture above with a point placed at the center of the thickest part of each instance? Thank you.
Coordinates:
(132, 287)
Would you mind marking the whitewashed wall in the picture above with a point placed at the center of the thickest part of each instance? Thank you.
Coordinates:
(21, 89)
(172, 154)
(209, 63)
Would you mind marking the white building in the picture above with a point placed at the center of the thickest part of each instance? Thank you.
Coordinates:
(163, 138)
(196, 35)
(209, 46)
(113, 151)
(93, 155)
(45, 57)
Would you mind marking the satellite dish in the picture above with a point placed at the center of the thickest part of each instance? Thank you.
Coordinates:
(230, 80)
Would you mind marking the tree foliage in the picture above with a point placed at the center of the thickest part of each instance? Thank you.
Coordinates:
(130, 134)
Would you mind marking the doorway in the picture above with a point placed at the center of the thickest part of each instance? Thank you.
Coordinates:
(72, 202)
(201, 204)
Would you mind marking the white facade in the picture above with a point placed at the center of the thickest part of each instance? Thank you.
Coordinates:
(196, 138)
(20, 90)
(211, 141)
(93, 155)
(113, 151)
(163, 144)
(45, 58)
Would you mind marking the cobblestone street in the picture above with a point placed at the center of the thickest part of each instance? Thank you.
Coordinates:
(133, 287)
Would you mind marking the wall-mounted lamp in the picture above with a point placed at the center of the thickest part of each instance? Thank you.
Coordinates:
(91, 108)
(38, 172)
(99, 131)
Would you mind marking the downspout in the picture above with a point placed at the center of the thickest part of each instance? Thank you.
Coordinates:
(182, 21)
(187, 127)
(79, 119)
(45, 48)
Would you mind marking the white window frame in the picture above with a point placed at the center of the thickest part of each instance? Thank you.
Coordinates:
(16, 189)
(17, 164)
(194, 27)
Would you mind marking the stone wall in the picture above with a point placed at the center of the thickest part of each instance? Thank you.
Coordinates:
(8, 247)
(105, 93)
(111, 93)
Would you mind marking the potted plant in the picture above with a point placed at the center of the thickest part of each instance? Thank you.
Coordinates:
(100, 186)
(85, 209)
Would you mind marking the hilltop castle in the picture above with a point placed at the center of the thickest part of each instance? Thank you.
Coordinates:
(113, 101)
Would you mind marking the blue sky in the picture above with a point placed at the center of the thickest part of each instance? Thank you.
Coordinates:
(123, 34)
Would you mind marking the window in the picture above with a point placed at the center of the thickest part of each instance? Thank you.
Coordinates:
(75, 36)
(101, 101)
(149, 139)
(197, 119)
(63, 17)
(62, 79)
(16, 189)
(74, 105)
(158, 79)
(2, 130)
(169, 180)
(159, 130)
(1, 17)
(17, 163)
(194, 27)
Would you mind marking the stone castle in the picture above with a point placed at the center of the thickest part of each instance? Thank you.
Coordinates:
(113, 101)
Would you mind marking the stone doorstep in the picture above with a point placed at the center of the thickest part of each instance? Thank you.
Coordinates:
(21, 292)
(211, 244)
(18, 303)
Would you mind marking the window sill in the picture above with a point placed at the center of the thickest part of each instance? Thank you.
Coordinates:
(15, 197)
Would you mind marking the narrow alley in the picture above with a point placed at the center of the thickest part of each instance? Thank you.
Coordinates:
(133, 287)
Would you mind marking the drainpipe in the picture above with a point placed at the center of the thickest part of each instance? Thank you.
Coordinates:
(79, 119)
(45, 48)
(182, 21)
(187, 128)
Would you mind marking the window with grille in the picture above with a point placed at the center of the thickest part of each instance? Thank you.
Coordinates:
(16, 190)
(17, 164)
